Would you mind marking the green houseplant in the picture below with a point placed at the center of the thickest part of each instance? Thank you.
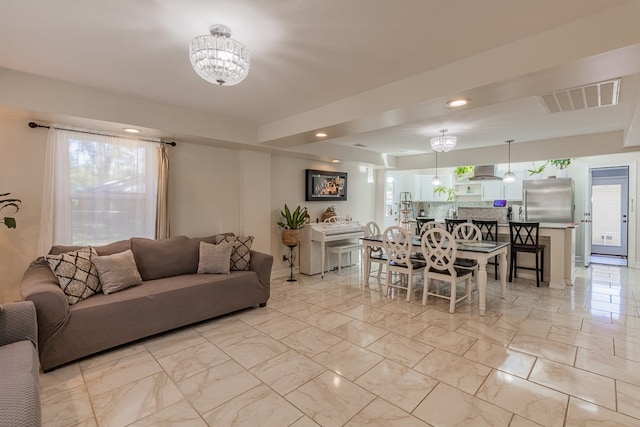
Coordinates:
(561, 163)
(537, 170)
(10, 203)
(462, 171)
(293, 222)
(449, 191)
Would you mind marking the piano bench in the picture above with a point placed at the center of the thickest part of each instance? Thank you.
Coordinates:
(342, 248)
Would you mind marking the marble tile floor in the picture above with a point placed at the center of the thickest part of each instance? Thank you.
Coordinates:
(326, 352)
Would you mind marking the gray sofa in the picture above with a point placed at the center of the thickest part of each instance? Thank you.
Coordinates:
(19, 368)
(171, 295)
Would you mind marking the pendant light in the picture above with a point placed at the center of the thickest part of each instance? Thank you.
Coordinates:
(509, 176)
(436, 180)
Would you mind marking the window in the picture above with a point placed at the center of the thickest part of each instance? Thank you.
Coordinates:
(104, 187)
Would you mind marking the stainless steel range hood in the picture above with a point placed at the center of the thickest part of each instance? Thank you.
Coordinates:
(485, 173)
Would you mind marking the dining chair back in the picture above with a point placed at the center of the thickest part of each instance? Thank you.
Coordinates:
(419, 223)
(489, 232)
(429, 225)
(467, 231)
(524, 237)
(373, 254)
(440, 251)
(397, 245)
(451, 223)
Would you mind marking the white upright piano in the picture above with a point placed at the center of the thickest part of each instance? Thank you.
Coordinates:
(314, 237)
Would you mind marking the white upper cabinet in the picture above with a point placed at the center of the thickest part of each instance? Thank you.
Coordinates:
(424, 188)
(513, 191)
(492, 190)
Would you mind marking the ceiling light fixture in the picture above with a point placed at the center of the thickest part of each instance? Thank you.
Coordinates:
(443, 143)
(458, 102)
(218, 58)
(436, 180)
(509, 176)
(131, 130)
(321, 135)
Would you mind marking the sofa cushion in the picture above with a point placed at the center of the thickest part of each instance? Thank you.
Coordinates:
(76, 273)
(241, 254)
(215, 259)
(117, 271)
(109, 249)
(165, 257)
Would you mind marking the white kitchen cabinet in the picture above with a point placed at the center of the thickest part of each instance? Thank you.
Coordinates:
(492, 190)
(469, 191)
(513, 191)
(426, 187)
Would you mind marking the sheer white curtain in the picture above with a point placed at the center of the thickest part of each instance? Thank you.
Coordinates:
(97, 189)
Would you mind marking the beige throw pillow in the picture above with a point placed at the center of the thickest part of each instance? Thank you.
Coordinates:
(76, 273)
(215, 259)
(117, 271)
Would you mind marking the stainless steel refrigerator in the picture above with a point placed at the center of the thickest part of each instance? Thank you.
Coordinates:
(548, 200)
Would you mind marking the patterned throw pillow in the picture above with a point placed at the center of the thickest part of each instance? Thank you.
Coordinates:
(241, 253)
(76, 273)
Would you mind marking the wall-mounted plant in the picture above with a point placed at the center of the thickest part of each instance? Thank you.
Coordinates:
(561, 163)
(449, 191)
(461, 171)
(10, 222)
(537, 171)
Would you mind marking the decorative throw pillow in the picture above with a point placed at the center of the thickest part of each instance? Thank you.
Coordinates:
(241, 254)
(76, 273)
(117, 271)
(215, 259)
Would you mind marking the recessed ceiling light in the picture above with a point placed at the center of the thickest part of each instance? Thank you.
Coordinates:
(131, 130)
(458, 102)
(335, 161)
(321, 134)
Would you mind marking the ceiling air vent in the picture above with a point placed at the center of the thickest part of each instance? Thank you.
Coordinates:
(602, 94)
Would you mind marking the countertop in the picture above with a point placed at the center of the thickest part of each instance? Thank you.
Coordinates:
(549, 225)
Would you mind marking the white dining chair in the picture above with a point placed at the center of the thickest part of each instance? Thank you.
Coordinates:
(396, 242)
(467, 231)
(374, 254)
(429, 225)
(440, 250)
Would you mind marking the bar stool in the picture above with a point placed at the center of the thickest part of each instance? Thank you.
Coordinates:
(524, 238)
(489, 231)
(420, 222)
(451, 223)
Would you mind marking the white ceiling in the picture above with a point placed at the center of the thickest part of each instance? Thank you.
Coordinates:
(369, 72)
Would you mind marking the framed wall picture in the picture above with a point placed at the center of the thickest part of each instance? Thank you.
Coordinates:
(325, 185)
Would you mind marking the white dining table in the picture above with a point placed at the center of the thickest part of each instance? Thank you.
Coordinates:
(481, 251)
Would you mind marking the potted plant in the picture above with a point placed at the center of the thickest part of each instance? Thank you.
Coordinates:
(449, 191)
(293, 222)
(561, 163)
(10, 222)
(535, 170)
(463, 171)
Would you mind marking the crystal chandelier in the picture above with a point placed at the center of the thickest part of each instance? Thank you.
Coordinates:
(218, 58)
(443, 143)
(509, 176)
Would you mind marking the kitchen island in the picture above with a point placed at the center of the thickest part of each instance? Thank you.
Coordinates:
(559, 255)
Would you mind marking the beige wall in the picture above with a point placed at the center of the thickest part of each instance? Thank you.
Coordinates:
(288, 186)
(22, 153)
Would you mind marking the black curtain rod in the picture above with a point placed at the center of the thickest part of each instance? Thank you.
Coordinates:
(34, 125)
